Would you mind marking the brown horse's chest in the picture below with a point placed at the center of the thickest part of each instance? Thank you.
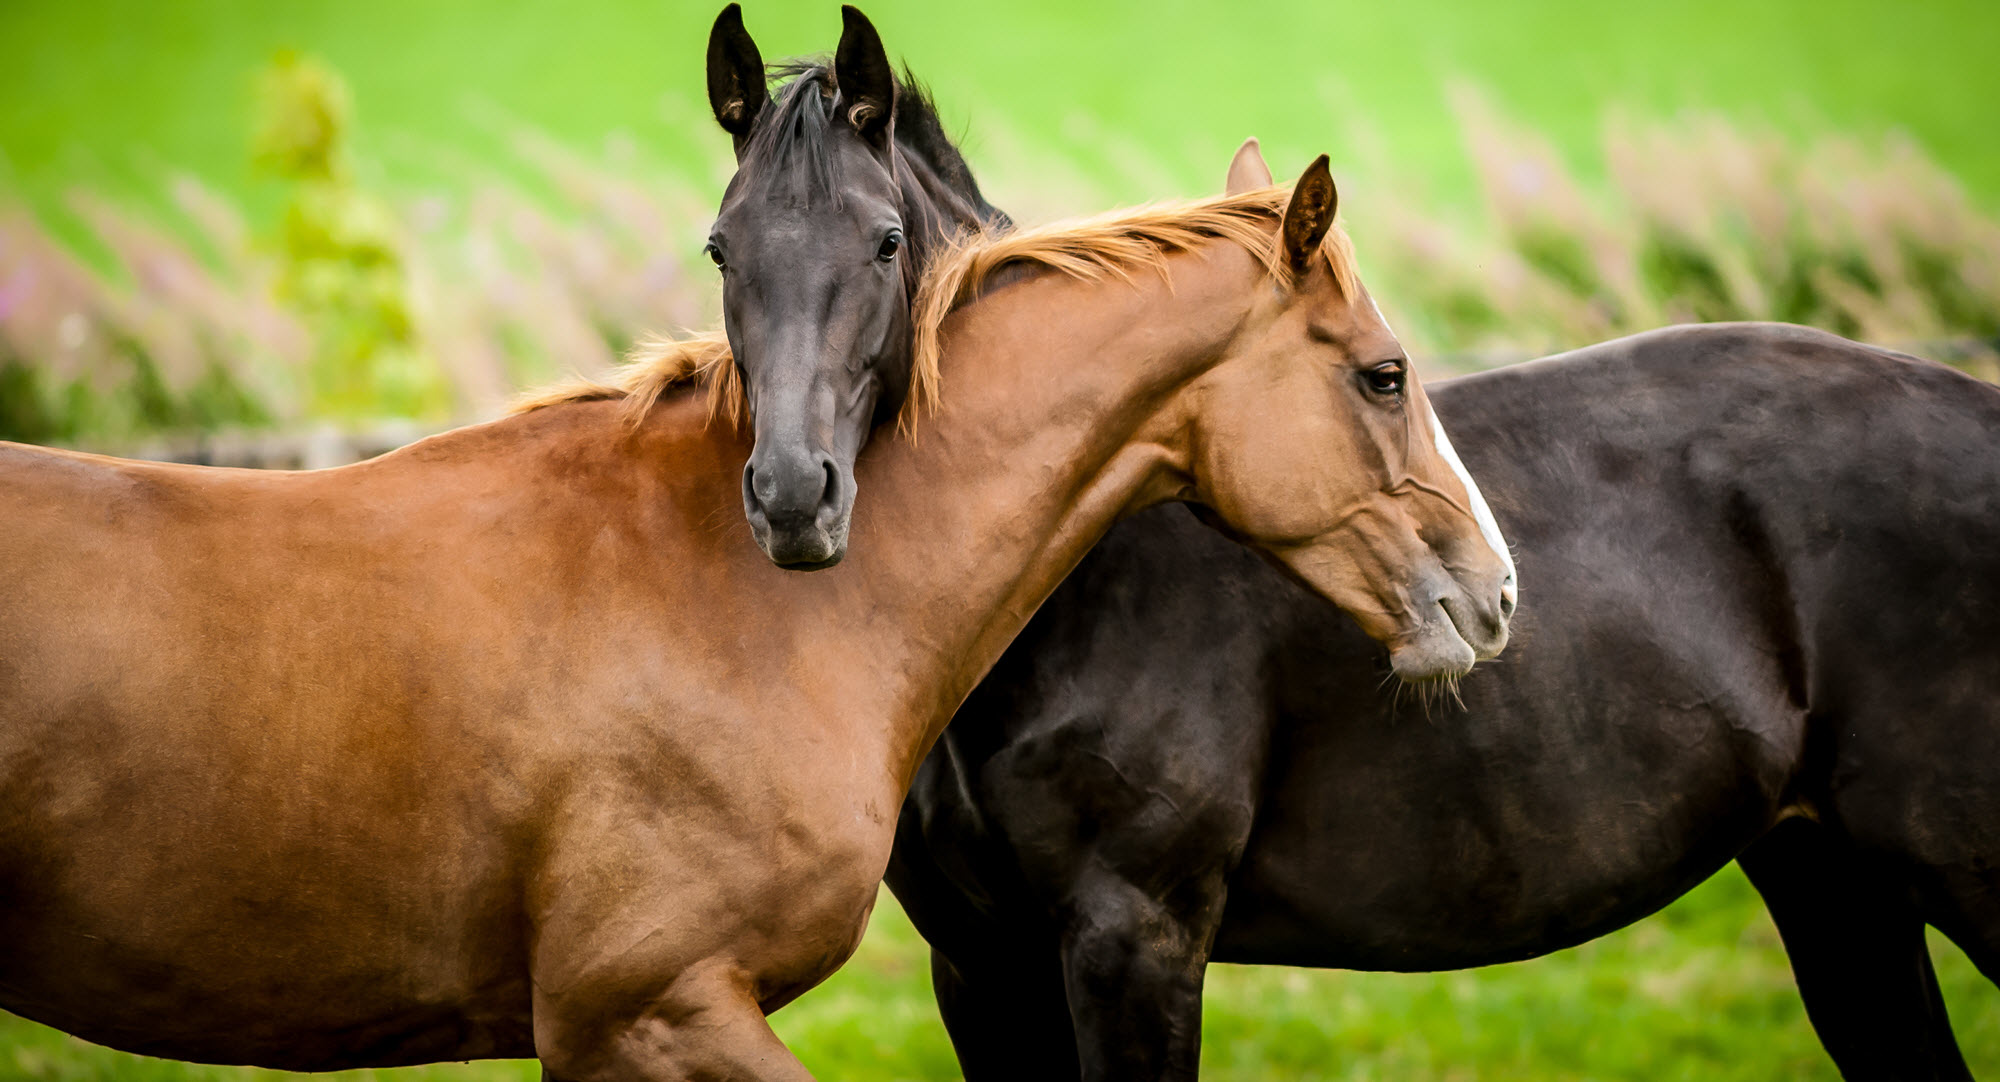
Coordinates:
(752, 845)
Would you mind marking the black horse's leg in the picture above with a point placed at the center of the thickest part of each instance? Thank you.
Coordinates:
(1007, 1017)
(1975, 928)
(1133, 964)
(1857, 949)
(1960, 888)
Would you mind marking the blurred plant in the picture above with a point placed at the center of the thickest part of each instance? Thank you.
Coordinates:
(514, 289)
(441, 305)
(1699, 220)
(162, 341)
(343, 267)
(196, 327)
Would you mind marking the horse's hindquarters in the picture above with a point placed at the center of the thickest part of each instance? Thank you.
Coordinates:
(141, 915)
(229, 833)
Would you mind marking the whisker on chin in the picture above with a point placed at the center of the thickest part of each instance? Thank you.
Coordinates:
(1426, 691)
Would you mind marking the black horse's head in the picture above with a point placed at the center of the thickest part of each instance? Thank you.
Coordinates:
(845, 186)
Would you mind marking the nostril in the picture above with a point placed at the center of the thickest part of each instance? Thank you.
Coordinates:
(750, 499)
(1508, 597)
(829, 494)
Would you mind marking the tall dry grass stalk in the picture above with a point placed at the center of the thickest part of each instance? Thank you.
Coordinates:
(1697, 219)
(173, 333)
(514, 289)
(190, 325)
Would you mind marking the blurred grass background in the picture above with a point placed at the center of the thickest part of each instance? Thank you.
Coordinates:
(225, 216)
(221, 214)
(113, 90)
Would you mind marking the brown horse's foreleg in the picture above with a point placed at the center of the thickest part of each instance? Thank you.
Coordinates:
(707, 1027)
(1858, 952)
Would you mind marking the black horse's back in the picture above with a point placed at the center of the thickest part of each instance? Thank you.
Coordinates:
(1760, 574)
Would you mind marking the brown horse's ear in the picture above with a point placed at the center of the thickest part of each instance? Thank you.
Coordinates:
(1247, 171)
(735, 75)
(861, 68)
(1308, 216)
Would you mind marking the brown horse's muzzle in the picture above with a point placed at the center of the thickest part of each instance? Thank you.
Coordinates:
(1456, 623)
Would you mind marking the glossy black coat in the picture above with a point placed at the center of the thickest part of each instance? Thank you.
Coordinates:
(1760, 621)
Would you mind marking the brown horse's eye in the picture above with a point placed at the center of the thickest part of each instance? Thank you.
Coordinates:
(714, 255)
(1386, 379)
(891, 244)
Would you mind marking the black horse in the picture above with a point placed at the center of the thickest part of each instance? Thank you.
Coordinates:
(1761, 622)
(846, 186)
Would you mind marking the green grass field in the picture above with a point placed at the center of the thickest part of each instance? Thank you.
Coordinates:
(1147, 98)
(1700, 992)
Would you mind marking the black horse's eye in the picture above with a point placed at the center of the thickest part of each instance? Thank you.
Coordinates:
(1386, 378)
(714, 255)
(891, 244)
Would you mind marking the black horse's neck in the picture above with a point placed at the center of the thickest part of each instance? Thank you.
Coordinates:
(939, 167)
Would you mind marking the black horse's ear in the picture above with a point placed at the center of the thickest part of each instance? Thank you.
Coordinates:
(1308, 216)
(735, 75)
(861, 68)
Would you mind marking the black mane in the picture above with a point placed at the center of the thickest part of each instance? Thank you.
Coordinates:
(789, 134)
(920, 131)
(941, 198)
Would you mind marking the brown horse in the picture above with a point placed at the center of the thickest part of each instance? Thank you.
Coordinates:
(506, 745)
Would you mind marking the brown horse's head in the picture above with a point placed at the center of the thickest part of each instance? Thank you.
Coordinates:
(845, 186)
(1353, 487)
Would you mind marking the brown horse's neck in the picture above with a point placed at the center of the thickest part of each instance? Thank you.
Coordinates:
(1063, 409)
(1062, 412)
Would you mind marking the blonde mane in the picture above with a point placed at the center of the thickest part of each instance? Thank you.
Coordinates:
(1114, 245)
(653, 367)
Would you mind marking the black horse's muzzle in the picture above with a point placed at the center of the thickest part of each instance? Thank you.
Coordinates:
(798, 504)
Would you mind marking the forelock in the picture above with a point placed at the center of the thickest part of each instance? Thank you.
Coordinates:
(791, 142)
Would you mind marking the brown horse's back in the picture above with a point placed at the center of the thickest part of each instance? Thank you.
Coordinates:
(244, 674)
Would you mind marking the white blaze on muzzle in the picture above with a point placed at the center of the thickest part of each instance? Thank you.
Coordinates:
(1481, 513)
(1489, 529)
